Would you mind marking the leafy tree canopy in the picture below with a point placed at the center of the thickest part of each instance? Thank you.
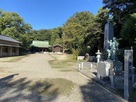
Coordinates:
(12, 25)
(128, 31)
(80, 31)
(56, 36)
(41, 35)
(120, 8)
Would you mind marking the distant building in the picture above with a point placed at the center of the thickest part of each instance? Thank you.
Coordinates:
(40, 46)
(8, 46)
(57, 48)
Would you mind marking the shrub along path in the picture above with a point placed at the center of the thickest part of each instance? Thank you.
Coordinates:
(32, 79)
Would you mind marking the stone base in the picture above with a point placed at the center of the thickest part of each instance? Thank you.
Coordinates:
(103, 69)
(111, 69)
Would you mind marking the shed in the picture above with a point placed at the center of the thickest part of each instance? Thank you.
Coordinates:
(57, 48)
(8, 46)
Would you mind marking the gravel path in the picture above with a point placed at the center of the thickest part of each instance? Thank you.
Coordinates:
(16, 77)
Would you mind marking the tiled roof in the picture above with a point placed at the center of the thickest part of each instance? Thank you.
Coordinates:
(5, 38)
(41, 44)
(57, 45)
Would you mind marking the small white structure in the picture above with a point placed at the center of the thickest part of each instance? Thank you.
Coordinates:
(80, 58)
(81, 65)
(103, 69)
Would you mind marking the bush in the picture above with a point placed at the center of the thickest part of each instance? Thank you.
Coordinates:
(75, 53)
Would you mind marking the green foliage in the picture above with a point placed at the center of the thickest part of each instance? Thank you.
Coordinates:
(84, 50)
(120, 10)
(41, 35)
(101, 18)
(63, 64)
(81, 30)
(84, 18)
(94, 35)
(56, 36)
(12, 25)
(72, 36)
(10, 21)
(128, 31)
(128, 34)
(75, 53)
(52, 35)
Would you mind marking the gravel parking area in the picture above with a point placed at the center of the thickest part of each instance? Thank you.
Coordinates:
(17, 77)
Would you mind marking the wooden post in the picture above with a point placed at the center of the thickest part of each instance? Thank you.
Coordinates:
(17, 51)
(0, 51)
(9, 51)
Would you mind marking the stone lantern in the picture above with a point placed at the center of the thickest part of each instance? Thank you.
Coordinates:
(98, 56)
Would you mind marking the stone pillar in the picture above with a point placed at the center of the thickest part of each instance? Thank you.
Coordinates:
(128, 74)
(112, 73)
(9, 51)
(108, 34)
(0, 51)
(17, 51)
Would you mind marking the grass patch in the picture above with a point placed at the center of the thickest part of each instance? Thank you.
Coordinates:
(56, 86)
(62, 61)
(12, 59)
(60, 64)
(67, 57)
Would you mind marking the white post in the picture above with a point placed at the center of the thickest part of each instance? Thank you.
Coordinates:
(91, 66)
(79, 67)
(98, 56)
(82, 65)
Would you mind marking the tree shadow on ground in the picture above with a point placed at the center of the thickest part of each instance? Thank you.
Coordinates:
(24, 90)
(92, 92)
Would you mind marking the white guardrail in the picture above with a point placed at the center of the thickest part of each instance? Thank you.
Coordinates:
(81, 65)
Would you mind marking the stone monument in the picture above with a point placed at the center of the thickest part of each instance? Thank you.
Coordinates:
(115, 70)
(128, 74)
(103, 68)
(108, 33)
(111, 67)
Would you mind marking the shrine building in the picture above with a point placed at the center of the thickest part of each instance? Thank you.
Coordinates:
(8, 46)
